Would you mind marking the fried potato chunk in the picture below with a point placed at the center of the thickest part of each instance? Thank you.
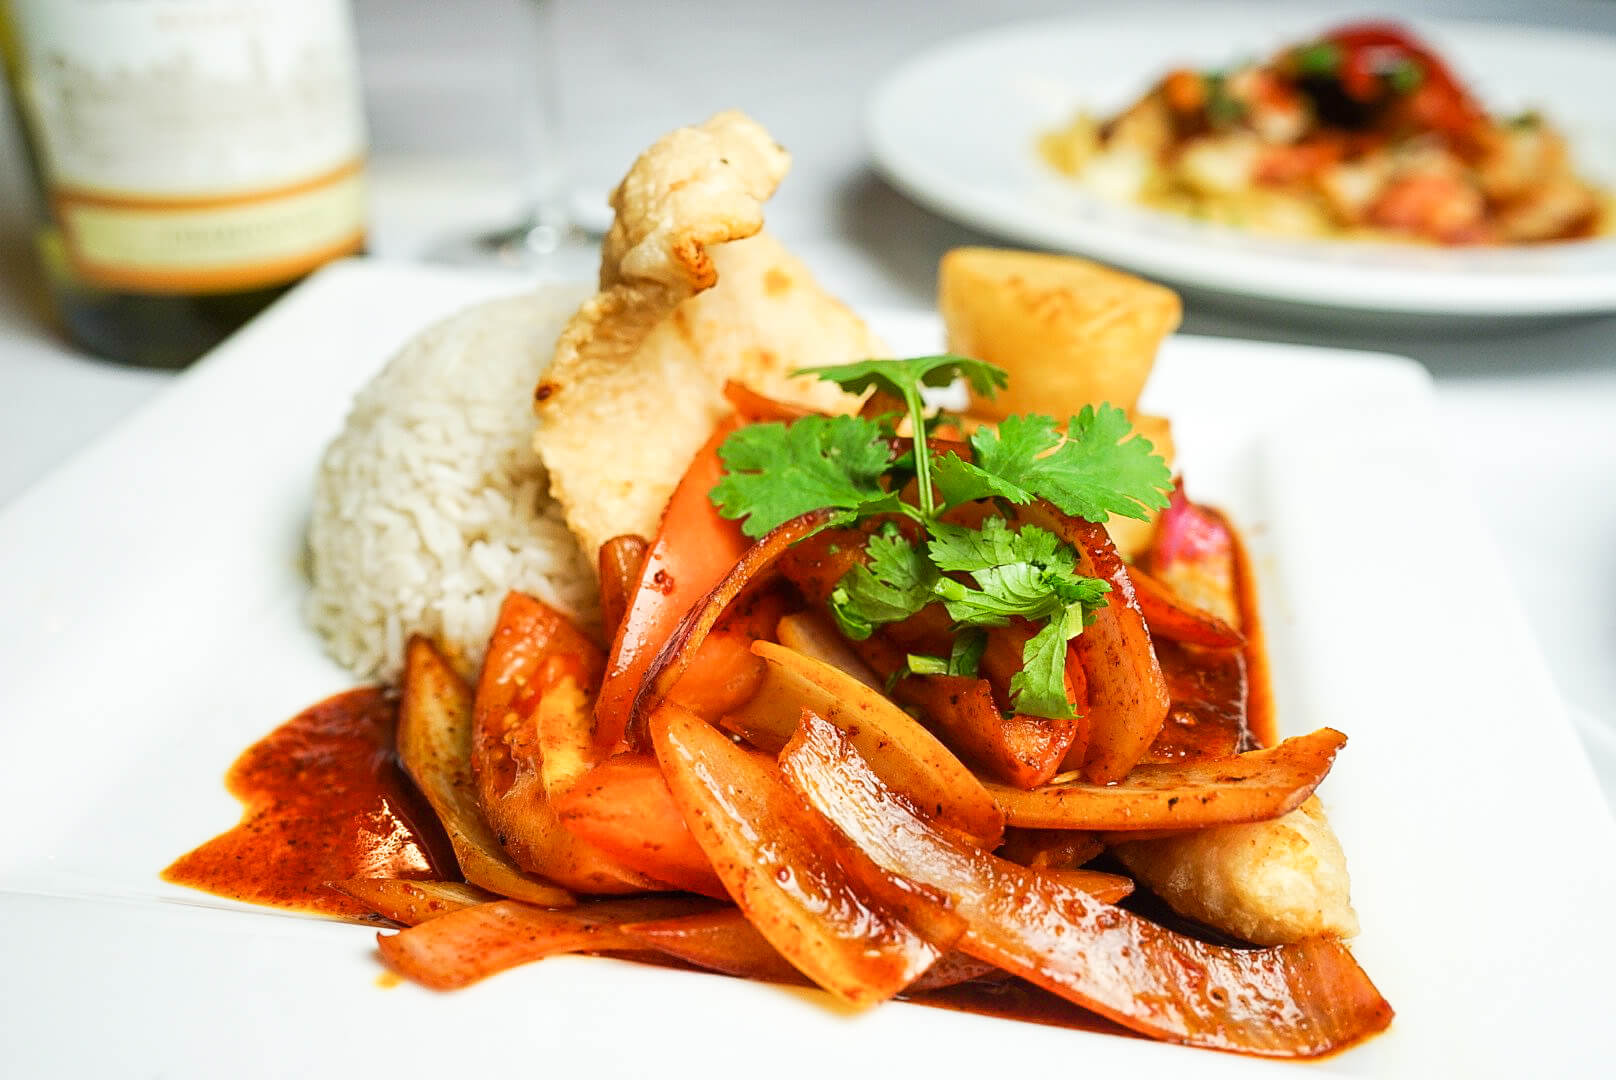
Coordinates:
(1069, 331)
(692, 293)
(1271, 883)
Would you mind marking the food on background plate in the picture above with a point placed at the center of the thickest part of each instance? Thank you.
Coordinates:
(874, 703)
(1363, 133)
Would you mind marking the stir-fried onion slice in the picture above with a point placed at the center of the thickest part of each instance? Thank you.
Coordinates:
(620, 562)
(694, 549)
(786, 871)
(1290, 1001)
(468, 945)
(409, 901)
(908, 758)
(681, 646)
(723, 941)
(434, 746)
(1254, 786)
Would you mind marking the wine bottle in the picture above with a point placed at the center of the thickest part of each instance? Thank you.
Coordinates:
(194, 158)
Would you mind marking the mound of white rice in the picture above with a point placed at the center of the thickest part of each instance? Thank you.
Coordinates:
(431, 504)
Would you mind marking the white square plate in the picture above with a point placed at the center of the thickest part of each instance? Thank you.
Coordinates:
(152, 592)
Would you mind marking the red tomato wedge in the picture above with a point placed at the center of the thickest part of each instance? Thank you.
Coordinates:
(468, 945)
(1021, 750)
(1256, 786)
(1292, 1001)
(623, 808)
(693, 551)
(724, 673)
(1128, 698)
(535, 654)
(783, 867)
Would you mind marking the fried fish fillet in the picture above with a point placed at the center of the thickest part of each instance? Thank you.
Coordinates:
(692, 293)
(1270, 882)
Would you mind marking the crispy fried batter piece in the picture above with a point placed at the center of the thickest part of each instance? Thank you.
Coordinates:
(692, 293)
(1271, 882)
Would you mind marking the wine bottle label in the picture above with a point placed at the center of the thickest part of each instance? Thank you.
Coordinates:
(195, 145)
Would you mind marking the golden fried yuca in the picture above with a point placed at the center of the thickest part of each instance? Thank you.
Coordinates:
(692, 294)
(1069, 331)
(1270, 882)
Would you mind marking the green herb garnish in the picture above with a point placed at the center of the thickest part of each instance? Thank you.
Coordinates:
(1223, 109)
(964, 659)
(1405, 76)
(1322, 58)
(1097, 467)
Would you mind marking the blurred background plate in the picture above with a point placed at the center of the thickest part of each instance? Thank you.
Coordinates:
(955, 130)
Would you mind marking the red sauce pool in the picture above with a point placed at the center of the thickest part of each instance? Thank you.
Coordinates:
(324, 799)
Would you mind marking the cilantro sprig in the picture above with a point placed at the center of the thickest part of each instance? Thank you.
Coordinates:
(1096, 467)
(904, 378)
(775, 472)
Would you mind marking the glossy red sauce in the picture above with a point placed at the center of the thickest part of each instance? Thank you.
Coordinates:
(324, 799)
(1222, 703)
(1207, 718)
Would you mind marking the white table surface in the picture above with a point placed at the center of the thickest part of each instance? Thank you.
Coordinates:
(1528, 411)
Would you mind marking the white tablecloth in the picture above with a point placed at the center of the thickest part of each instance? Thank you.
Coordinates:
(1528, 412)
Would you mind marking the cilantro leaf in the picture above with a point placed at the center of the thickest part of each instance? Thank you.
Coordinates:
(1039, 688)
(965, 658)
(1097, 470)
(895, 583)
(957, 547)
(958, 481)
(904, 377)
(774, 472)
(1027, 573)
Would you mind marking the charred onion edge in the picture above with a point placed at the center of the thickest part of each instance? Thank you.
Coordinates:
(673, 659)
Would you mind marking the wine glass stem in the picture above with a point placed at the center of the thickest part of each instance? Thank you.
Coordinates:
(544, 171)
